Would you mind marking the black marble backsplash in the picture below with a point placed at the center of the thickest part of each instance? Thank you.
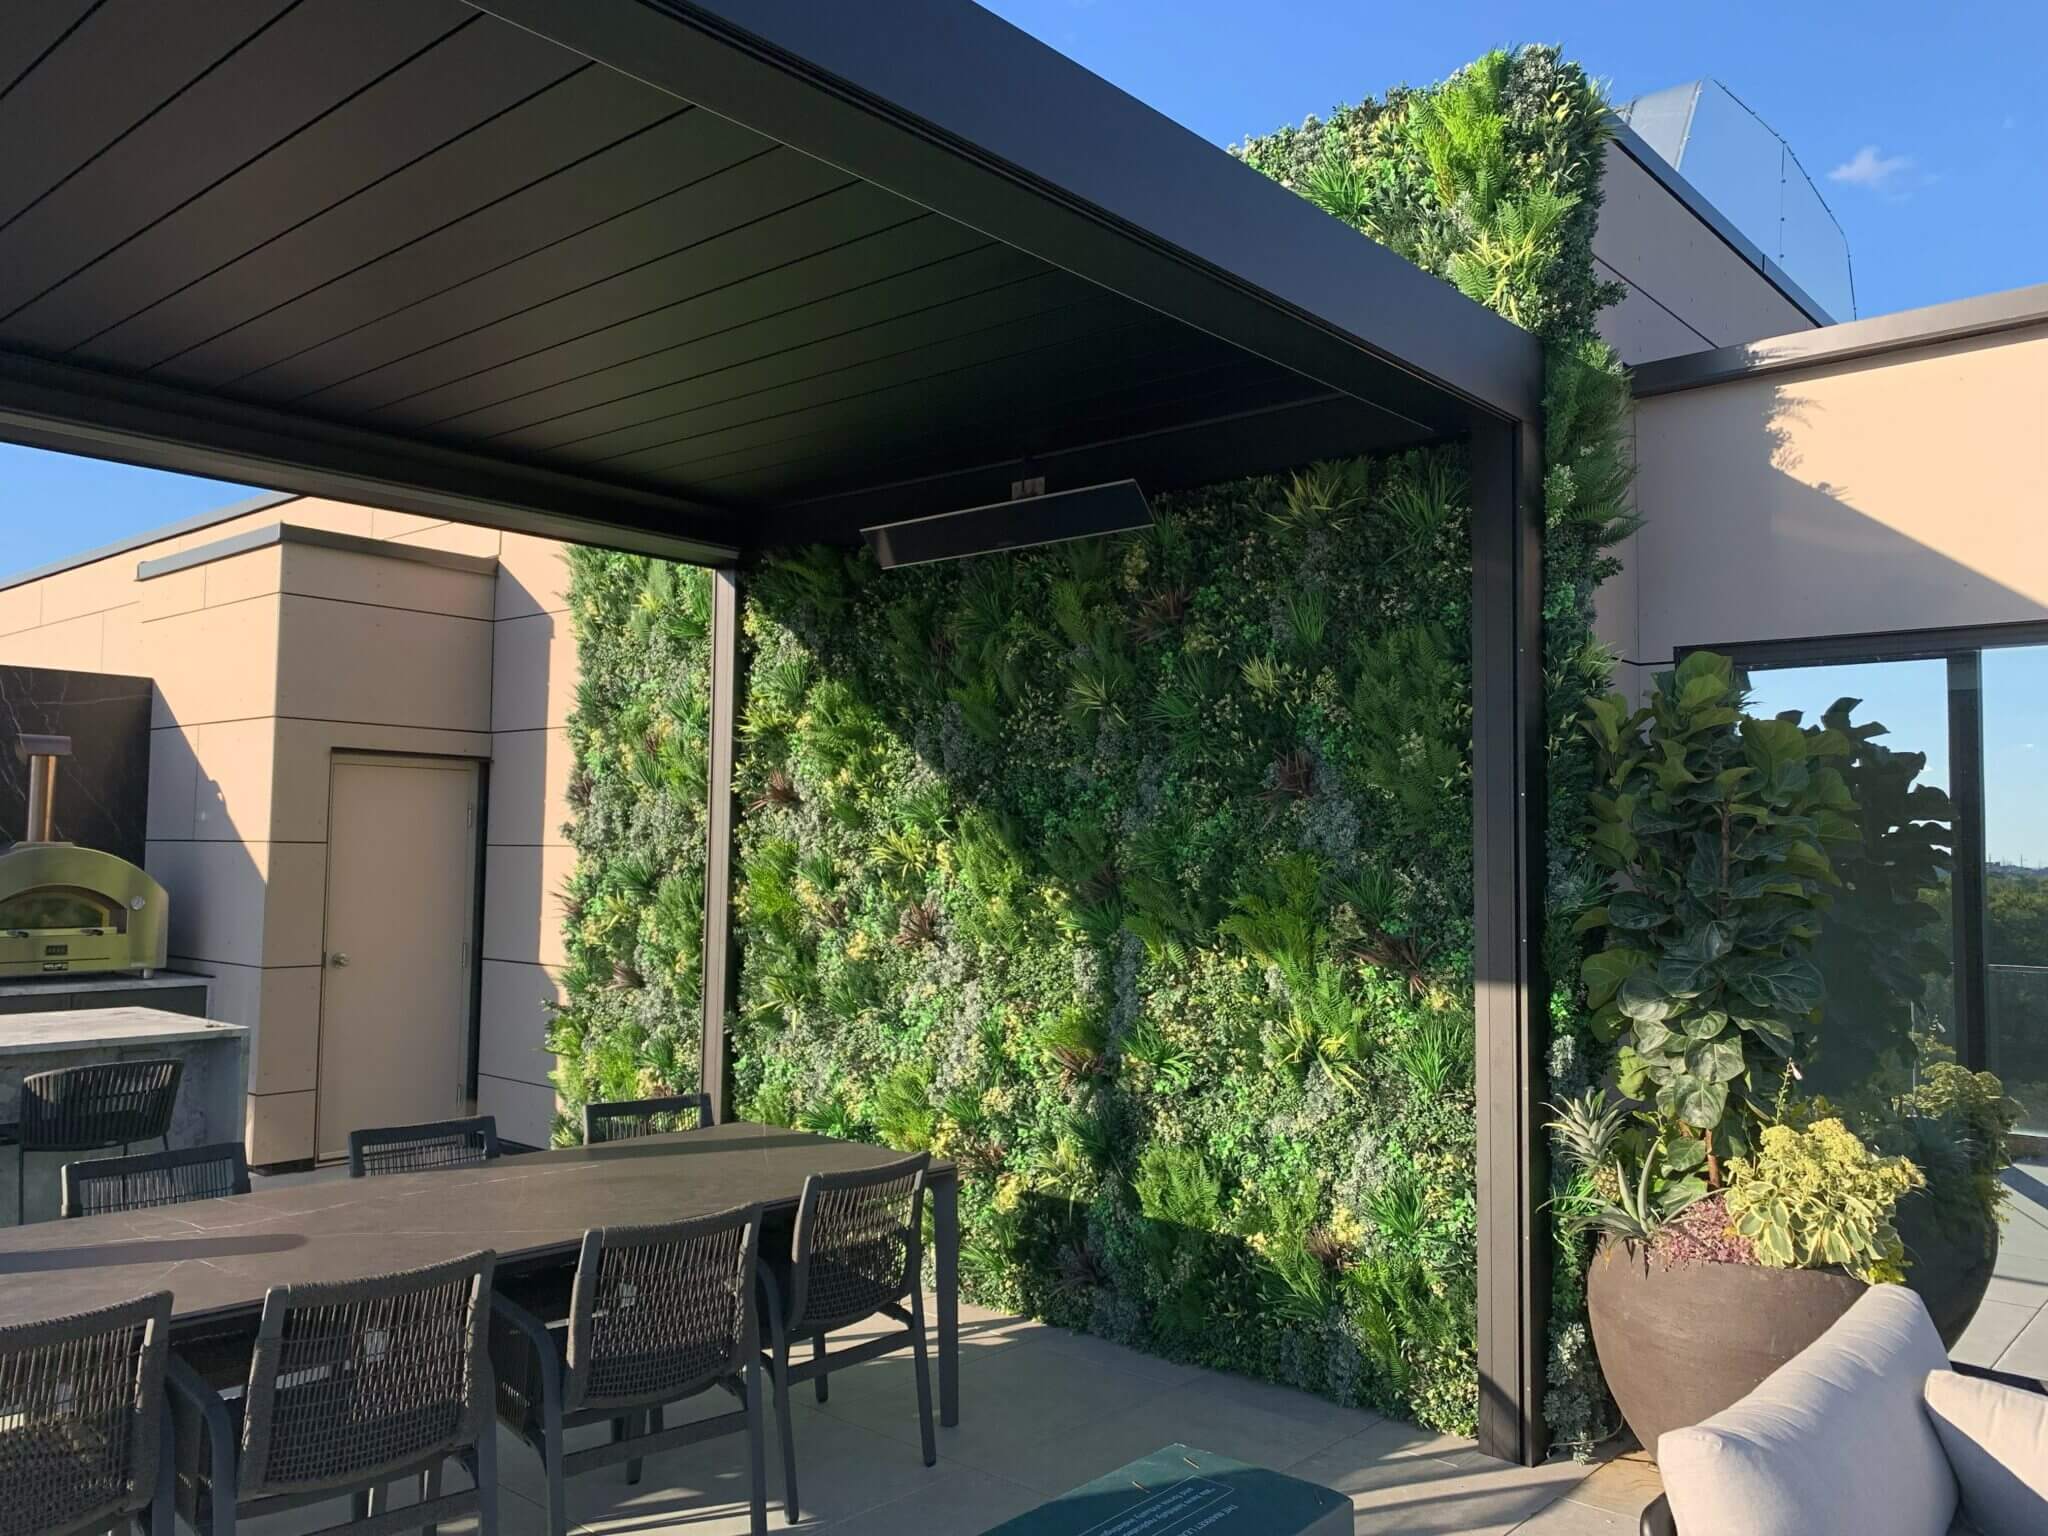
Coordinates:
(103, 787)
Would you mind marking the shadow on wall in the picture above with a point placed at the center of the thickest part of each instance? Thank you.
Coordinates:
(1770, 514)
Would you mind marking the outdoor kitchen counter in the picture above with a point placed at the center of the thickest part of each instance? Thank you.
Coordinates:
(210, 1097)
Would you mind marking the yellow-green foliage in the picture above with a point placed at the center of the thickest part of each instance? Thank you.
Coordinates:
(1820, 1196)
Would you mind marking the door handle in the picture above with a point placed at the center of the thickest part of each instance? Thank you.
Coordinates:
(337, 959)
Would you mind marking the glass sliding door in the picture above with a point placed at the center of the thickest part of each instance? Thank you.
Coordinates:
(2015, 929)
(1888, 949)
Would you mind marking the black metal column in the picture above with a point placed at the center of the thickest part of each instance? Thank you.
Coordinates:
(1508, 879)
(721, 958)
(1966, 883)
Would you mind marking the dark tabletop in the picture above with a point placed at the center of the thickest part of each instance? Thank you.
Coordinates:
(217, 1257)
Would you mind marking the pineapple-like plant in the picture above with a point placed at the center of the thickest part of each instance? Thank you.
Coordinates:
(1636, 1175)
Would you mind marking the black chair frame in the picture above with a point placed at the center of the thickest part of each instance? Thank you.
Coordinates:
(150, 1179)
(93, 1108)
(1657, 1520)
(527, 1352)
(437, 1144)
(208, 1436)
(604, 1123)
(793, 1313)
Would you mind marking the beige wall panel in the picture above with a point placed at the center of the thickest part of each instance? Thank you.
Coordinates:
(356, 577)
(217, 898)
(21, 607)
(1895, 493)
(525, 1112)
(172, 593)
(523, 904)
(256, 573)
(90, 588)
(534, 676)
(121, 640)
(347, 661)
(282, 1007)
(75, 645)
(173, 782)
(385, 524)
(1654, 242)
(213, 663)
(530, 786)
(294, 915)
(280, 1128)
(533, 576)
(459, 538)
(512, 1039)
(234, 791)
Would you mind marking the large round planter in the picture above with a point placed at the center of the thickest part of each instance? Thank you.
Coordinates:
(1950, 1270)
(1680, 1342)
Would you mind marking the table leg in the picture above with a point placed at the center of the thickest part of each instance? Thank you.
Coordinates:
(946, 1258)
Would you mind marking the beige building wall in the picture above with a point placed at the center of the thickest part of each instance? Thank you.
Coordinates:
(266, 662)
(1689, 290)
(1904, 490)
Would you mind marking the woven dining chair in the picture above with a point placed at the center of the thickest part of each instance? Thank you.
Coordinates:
(150, 1179)
(354, 1385)
(419, 1148)
(658, 1314)
(92, 1109)
(857, 1252)
(82, 1426)
(626, 1119)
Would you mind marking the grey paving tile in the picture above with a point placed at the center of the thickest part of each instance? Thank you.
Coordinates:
(1569, 1518)
(1991, 1332)
(955, 1501)
(2027, 1354)
(1086, 1346)
(1623, 1485)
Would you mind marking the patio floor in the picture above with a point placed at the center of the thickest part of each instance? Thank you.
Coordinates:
(2010, 1330)
(1044, 1410)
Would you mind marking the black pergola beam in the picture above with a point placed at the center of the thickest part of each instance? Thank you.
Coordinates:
(1508, 798)
(69, 409)
(953, 108)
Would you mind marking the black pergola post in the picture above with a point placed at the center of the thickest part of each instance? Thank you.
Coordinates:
(721, 956)
(1508, 796)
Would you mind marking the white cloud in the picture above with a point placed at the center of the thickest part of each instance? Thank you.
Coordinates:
(1868, 168)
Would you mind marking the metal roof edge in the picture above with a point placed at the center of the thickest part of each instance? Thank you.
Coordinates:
(1958, 319)
(319, 538)
(183, 525)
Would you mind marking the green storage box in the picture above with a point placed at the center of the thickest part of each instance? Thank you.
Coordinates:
(1180, 1491)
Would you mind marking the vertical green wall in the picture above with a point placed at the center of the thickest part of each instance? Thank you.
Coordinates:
(1135, 874)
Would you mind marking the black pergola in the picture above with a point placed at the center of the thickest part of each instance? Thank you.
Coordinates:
(701, 279)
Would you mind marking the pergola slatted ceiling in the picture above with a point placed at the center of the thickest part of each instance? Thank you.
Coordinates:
(465, 249)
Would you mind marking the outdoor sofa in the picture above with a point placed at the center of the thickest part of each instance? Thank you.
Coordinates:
(1871, 1430)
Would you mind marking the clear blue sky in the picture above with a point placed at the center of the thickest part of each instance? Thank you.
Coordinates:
(1937, 125)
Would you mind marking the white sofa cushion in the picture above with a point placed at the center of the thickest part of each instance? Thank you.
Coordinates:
(1835, 1439)
(1996, 1438)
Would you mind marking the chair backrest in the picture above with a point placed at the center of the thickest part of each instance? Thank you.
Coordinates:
(417, 1148)
(660, 1312)
(106, 1104)
(81, 1400)
(149, 1179)
(355, 1381)
(625, 1119)
(859, 1244)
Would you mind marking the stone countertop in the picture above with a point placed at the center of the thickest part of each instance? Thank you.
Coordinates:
(84, 1029)
(99, 981)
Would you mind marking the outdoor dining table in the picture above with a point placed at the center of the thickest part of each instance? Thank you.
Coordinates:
(218, 1257)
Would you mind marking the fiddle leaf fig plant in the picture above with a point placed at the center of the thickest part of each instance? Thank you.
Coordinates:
(1715, 828)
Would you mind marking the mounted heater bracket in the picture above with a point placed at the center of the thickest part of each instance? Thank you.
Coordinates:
(1031, 517)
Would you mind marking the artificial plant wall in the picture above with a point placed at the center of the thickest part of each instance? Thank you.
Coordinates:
(1135, 875)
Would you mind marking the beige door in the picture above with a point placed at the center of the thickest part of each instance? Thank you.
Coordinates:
(401, 907)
